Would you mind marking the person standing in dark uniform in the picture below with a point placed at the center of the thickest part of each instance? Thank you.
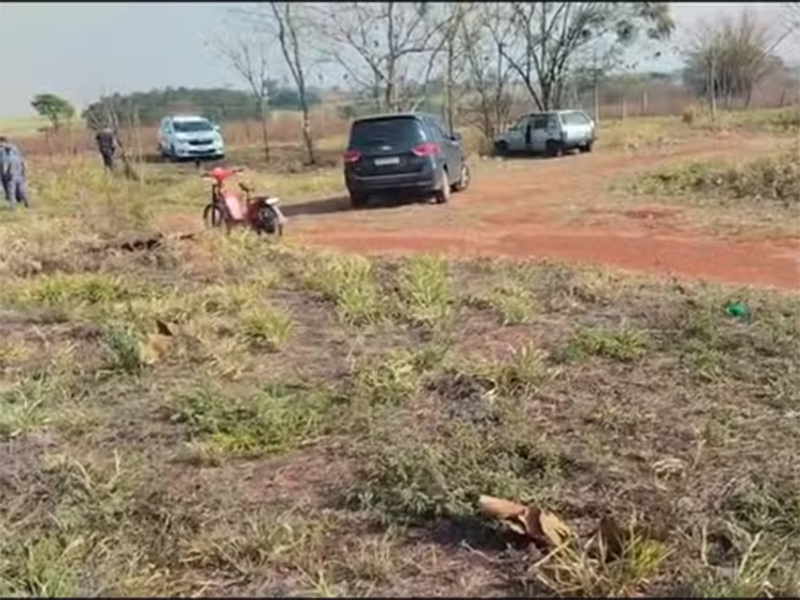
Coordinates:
(529, 135)
(107, 147)
(13, 174)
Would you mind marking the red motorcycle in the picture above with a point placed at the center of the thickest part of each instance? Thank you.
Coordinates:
(260, 213)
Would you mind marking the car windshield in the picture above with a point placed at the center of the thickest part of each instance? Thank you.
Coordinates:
(192, 126)
(392, 131)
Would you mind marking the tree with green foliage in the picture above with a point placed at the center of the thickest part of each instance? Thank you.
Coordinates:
(217, 104)
(552, 39)
(54, 108)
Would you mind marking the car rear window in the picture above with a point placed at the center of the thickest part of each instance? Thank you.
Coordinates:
(574, 118)
(394, 131)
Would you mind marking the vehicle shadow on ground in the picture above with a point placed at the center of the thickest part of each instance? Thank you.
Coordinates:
(337, 204)
(522, 156)
(203, 163)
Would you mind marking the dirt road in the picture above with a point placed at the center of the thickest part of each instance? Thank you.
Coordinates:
(528, 208)
(511, 210)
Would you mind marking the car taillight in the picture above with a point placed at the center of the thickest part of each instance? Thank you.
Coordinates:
(426, 149)
(352, 156)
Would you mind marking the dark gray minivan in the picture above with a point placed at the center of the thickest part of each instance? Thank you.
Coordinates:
(405, 153)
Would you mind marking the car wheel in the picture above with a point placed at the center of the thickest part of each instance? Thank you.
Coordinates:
(172, 155)
(442, 195)
(554, 148)
(501, 148)
(587, 147)
(463, 181)
(358, 200)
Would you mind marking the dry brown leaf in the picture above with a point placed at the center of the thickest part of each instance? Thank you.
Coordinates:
(163, 328)
(553, 528)
(155, 348)
(544, 528)
(501, 509)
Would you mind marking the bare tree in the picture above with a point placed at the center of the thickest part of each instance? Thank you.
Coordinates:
(384, 46)
(294, 33)
(484, 33)
(247, 55)
(552, 38)
(455, 57)
(729, 58)
(792, 11)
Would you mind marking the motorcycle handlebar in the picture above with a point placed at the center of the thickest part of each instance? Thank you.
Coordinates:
(210, 175)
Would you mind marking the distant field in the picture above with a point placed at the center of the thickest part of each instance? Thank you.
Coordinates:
(20, 126)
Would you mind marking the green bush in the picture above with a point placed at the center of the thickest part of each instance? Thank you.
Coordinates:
(772, 179)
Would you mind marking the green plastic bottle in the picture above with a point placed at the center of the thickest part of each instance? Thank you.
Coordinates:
(738, 310)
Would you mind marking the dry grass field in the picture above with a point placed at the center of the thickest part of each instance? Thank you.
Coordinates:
(319, 416)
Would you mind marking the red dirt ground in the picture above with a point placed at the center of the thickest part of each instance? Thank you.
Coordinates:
(512, 210)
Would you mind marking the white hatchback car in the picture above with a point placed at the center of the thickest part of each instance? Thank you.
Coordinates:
(550, 133)
(189, 137)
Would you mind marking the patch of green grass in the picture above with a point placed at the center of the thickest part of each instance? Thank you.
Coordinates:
(69, 290)
(391, 379)
(439, 469)
(53, 553)
(46, 567)
(512, 300)
(372, 561)
(625, 344)
(349, 281)
(519, 374)
(770, 180)
(514, 306)
(270, 421)
(424, 290)
(123, 347)
(267, 537)
(29, 405)
(266, 327)
(97, 493)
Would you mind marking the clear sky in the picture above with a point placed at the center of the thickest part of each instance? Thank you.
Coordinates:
(82, 50)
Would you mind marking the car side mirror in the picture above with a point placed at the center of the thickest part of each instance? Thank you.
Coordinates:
(216, 127)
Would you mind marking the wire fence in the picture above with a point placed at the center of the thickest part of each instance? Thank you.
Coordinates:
(331, 119)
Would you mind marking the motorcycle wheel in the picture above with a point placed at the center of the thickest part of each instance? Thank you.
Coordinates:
(212, 216)
(267, 221)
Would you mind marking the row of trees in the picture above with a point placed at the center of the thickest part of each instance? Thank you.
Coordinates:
(469, 55)
(217, 104)
(391, 51)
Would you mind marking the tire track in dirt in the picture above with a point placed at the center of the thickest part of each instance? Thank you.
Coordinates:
(510, 205)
